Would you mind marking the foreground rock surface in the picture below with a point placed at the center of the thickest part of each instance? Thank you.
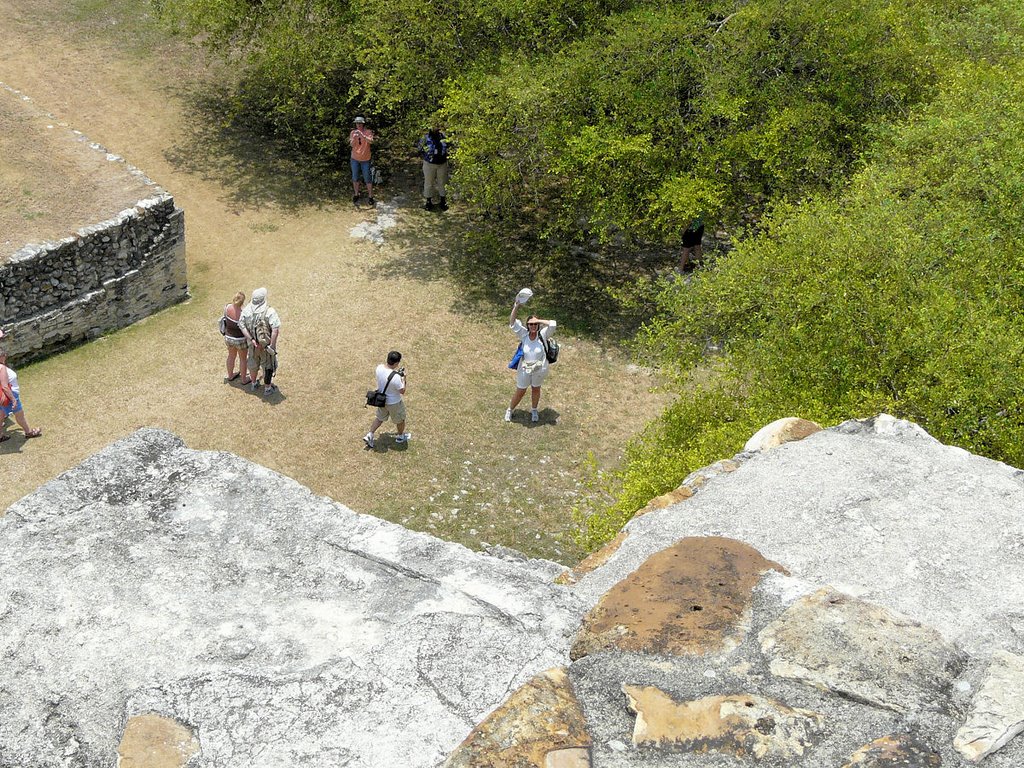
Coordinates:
(285, 629)
(859, 605)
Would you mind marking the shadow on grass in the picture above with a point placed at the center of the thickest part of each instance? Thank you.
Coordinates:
(571, 284)
(254, 168)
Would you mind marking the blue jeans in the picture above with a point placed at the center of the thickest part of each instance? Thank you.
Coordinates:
(364, 166)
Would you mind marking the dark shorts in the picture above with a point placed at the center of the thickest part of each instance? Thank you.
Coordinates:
(360, 166)
(692, 237)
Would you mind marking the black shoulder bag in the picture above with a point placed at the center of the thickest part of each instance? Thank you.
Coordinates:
(376, 398)
(550, 349)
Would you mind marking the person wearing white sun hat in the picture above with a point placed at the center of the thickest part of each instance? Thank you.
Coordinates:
(533, 366)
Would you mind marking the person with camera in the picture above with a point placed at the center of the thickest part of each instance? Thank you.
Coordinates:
(391, 383)
(533, 366)
(360, 138)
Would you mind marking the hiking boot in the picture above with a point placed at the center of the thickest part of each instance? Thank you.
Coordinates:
(371, 201)
(355, 199)
(368, 439)
(534, 416)
(403, 438)
(443, 206)
(508, 414)
(429, 205)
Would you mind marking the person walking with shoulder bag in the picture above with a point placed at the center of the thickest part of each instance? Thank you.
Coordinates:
(390, 384)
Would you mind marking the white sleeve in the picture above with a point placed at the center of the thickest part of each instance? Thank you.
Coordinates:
(550, 328)
(519, 329)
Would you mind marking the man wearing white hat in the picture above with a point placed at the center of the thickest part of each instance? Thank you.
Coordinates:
(261, 326)
(360, 139)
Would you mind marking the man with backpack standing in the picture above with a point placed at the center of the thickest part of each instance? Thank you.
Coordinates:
(261, 326)
(433, 148)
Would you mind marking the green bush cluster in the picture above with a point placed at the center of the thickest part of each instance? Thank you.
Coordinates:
(904, 294)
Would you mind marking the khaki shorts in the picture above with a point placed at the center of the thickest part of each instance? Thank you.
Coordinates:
(394, 411)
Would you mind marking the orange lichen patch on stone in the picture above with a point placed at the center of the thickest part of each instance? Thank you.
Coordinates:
(536, 722)
(574, 757)
(691, 598)
(900, 750)
(154, 741)
(681, 493)
(785, 430)
(594, 560)
(743, 725)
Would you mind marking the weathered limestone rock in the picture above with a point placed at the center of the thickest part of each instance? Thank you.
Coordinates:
(901, 750)
(293, 632)
(151, 741)
(574, 757)
(541, 724)
(744, 725)
(689, 598)
(876, 508)
(682, 493)
(845, 645)
(781, 431)
(998, 711)
(594, 560)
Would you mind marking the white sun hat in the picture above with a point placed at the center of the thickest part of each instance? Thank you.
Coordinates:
(524, 296)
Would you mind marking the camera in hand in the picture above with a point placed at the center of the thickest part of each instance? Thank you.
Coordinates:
(401, 371)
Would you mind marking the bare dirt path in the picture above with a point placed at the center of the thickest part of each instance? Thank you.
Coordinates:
(344, 302)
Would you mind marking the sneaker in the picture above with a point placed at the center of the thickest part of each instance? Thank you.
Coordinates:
(534, 416)
(403, 438)
(444, 204)
(355, 199)
(428, 206)
(255, 385)
(368, 439)
(371, 201)
(508, 414)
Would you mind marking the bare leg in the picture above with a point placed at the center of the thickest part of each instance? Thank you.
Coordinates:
(243, 364)
(232, 354)
(23, 422)
(516, 398)
(535, 397)
(376, 425)
(400, 426)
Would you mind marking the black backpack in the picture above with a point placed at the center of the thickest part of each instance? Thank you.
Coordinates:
(550, 349)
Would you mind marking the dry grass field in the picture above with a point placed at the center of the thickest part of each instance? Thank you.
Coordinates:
(255, 218)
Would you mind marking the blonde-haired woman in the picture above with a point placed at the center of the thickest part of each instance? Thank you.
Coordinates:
(235, 339)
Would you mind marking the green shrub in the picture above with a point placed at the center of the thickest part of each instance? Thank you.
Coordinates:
(904, 295)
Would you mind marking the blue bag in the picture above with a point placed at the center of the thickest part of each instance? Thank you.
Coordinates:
(517, 357)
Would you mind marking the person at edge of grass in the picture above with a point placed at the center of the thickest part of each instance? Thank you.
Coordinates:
(533, 367)
(10, 399)
(235, 341)
(433, 148)
(390, 381)
(361, 139)
(693, 249)
(261, 326)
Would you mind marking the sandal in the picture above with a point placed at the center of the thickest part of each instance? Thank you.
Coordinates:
(37, 432)
(232, 378)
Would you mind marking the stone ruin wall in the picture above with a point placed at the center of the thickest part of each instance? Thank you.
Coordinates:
(105, 277)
